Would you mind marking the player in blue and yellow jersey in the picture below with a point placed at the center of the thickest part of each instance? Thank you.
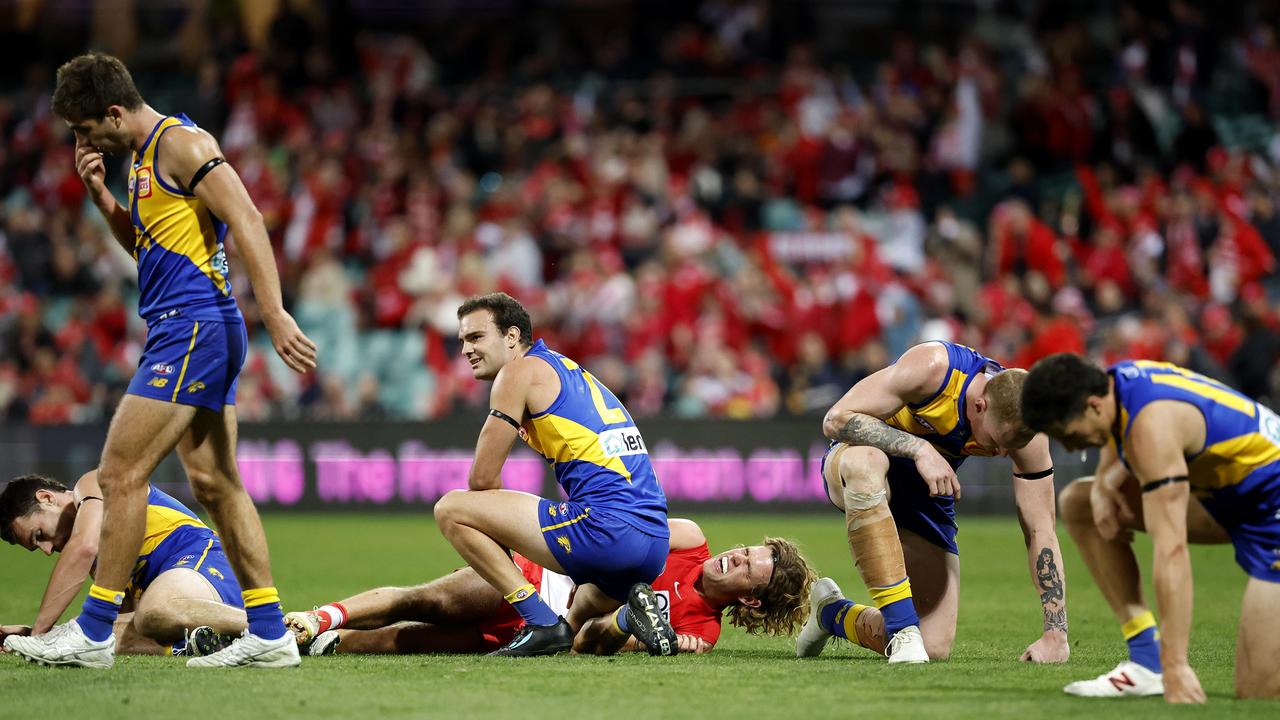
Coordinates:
(610, 537)
(183, 201)
(1183, 437)
(181, 579)
(897, 438)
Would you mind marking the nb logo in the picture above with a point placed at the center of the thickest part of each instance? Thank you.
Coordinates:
(158, 382)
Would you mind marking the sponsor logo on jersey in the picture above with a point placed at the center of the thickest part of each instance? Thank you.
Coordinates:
(1130, 372)
(158, 382)
(143, 187)
(664, 604)
(195, 387)
(162, 369)
(924, 423)
(623, 441)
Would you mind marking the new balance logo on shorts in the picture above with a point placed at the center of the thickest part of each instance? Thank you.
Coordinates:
(158, 382)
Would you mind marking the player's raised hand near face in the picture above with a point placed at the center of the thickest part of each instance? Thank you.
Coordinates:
(291, 344)
(91, 168)
(1181, 686)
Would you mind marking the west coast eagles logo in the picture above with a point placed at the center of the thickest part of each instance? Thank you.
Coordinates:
(564, 543)
(195, 387)
(214, 572)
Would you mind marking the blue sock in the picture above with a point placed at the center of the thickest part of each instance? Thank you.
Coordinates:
(620, 619)
(830, 617)
(896, 606)
(1143, 638)
(526, 600)
(99, 612)
(262, 607)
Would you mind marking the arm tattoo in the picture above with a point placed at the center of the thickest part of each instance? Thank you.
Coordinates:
(1052, 596)
(874, 432)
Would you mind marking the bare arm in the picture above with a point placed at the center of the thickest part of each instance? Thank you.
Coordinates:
(76, 558)
(1037, 514)
(859, 417)
(186, 150)
(685, 534)
(509, 396)
(1160, 437)
(92, 170)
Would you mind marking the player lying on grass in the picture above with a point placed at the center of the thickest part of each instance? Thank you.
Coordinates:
(180, 582)
(764, 588)
(610, 536)
(897, 438)
(1179, 433)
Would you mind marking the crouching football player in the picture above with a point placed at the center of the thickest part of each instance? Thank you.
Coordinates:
(181, 580)
(765, 588)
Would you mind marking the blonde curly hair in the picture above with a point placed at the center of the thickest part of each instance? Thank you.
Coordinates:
(784, 602)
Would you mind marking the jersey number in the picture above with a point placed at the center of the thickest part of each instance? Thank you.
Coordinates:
(609, 415)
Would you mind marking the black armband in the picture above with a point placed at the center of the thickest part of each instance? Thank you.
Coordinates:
(1157, 484)
(505, 418)
(1034, 475)
(87, 498)
(204, 170)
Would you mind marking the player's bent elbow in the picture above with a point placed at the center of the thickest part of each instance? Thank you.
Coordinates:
(834, 421)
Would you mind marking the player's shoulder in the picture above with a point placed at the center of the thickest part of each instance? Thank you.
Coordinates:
(187, 143)
(685, 535)
(922, 368)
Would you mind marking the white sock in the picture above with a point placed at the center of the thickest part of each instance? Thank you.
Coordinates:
(332, 616)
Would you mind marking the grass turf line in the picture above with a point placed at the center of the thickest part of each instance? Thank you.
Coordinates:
(319, 558)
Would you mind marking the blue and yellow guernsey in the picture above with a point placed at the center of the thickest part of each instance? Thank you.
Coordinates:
(172, 529)
(941, 419)
(597, 453)
(182, 265)
(1237, 473)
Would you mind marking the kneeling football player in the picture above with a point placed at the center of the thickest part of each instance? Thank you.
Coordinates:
(182, 585)
(765, 588)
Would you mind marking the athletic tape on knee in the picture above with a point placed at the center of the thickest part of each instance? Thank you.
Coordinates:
(859, 501)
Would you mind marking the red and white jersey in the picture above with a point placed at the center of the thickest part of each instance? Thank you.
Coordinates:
(684, 607)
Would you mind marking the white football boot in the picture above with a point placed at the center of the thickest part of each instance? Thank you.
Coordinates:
(1128, 679)
(252, 651)
(305, 626)
(813, 637)
(907, 646)
(326, 643)
(65, 644)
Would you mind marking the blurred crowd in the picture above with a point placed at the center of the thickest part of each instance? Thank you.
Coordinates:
(727, 221)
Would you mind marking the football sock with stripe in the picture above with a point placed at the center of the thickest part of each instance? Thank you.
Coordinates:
(99, 612)
(526, 600)
(620, 620)
(332, 616)
(266, 618)
(896, 606)
(1143, 638)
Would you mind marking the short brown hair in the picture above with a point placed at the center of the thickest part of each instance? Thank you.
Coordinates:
(784, 602)
(91, 83)
(1004, 395)
(507, 313)
(18, 500)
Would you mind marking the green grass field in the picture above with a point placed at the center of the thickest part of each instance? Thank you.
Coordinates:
(325, 557)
